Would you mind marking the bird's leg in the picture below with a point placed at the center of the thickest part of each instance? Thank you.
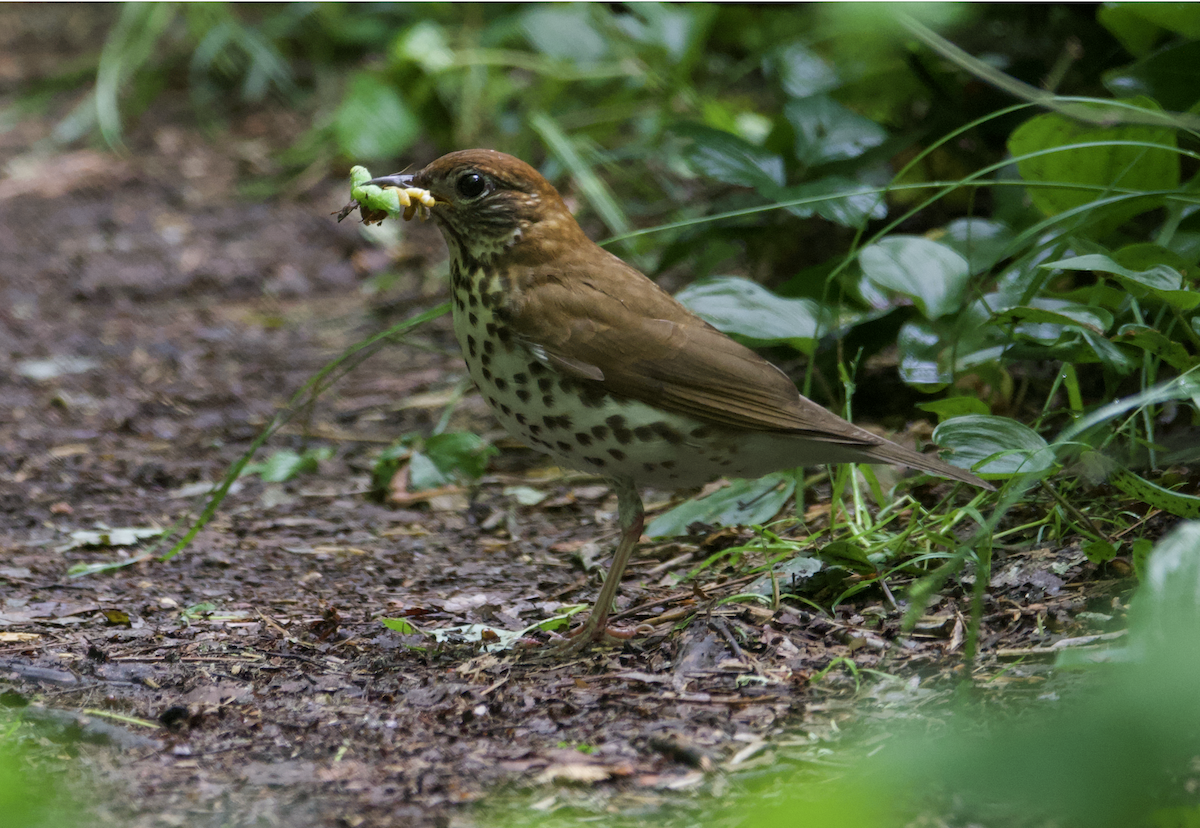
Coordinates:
(631, 518)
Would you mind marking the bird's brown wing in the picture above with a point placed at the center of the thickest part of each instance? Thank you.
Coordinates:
(614, 326)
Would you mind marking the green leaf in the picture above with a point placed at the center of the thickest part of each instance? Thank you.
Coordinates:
(1165, 612)
(1053, 315)
(931, 274)
(388, 463)
(285, 464)
(426, 45)
(1170, 76)
(1175, 503)
(848, 555)
(923, 363)
(1181, 18)
(725, 157)
(1112, 357)
(787, 574)
(981, 242)
(1137, 34)
(679, 31)
(740, 306)
(1162, 281)
(801, 71)
(1100, 551)
(424, 474)
(1156, 343)
(459, 453)
(373, 120)
(590, 185)
(827, 131)
(1106, 166)
(954, 407)
(829, 203)
(564, 32)
(440, 460)
(740, 503)
(1146, 255)
(400, 625)
(1008, 447)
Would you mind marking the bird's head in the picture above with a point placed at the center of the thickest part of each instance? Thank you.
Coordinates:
(486, 202)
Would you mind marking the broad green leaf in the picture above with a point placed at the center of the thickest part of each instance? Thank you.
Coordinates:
(426, 45)
(981, 242)
(931, 274)
(1109, 355)
(1146, 255)
(1175, 503)
(1100, 551)
(1137, 34)
(787, 574)
(1161, 281)
(1183, 387)
(848, 555)
(740, 503)
(829, 203)
(1107, 166)
(424, 474)
(1165, 612)
(727, 158)
(1157, 343)
(400, 625)
(954, 407)
(373, 120)
(1170, 76)
(740, 306)
(802, 72)
(1054, 314)
(827, 131)
(1181, 18)
(446, 459)
(459, 453)
(1160, 278)
(285, 464)
(564, 32)
(674, 29)
(922, 361)
(993, 446)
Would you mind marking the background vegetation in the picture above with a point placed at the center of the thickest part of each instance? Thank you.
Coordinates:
(996, 203)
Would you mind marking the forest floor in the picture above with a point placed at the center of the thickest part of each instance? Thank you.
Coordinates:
(152, 321)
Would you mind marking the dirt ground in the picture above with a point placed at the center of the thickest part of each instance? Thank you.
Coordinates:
(151, 322)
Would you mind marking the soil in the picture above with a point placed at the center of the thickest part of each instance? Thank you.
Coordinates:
(152, 322)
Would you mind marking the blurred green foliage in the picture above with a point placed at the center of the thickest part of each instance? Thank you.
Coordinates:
(1005, 194)
(1112, 749)
(31, 792)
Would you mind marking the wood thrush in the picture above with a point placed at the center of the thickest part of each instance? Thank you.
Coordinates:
(588, 360)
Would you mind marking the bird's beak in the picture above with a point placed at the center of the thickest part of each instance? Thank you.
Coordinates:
(416, 201)
(403, 181)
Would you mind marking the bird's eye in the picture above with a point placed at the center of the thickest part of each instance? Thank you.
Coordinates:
(471, 185)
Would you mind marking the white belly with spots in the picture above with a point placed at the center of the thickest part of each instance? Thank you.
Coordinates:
(618, 438)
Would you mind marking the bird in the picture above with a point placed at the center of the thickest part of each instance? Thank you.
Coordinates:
(585, 358)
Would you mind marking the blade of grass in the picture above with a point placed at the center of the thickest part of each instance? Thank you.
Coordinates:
(312, 387)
